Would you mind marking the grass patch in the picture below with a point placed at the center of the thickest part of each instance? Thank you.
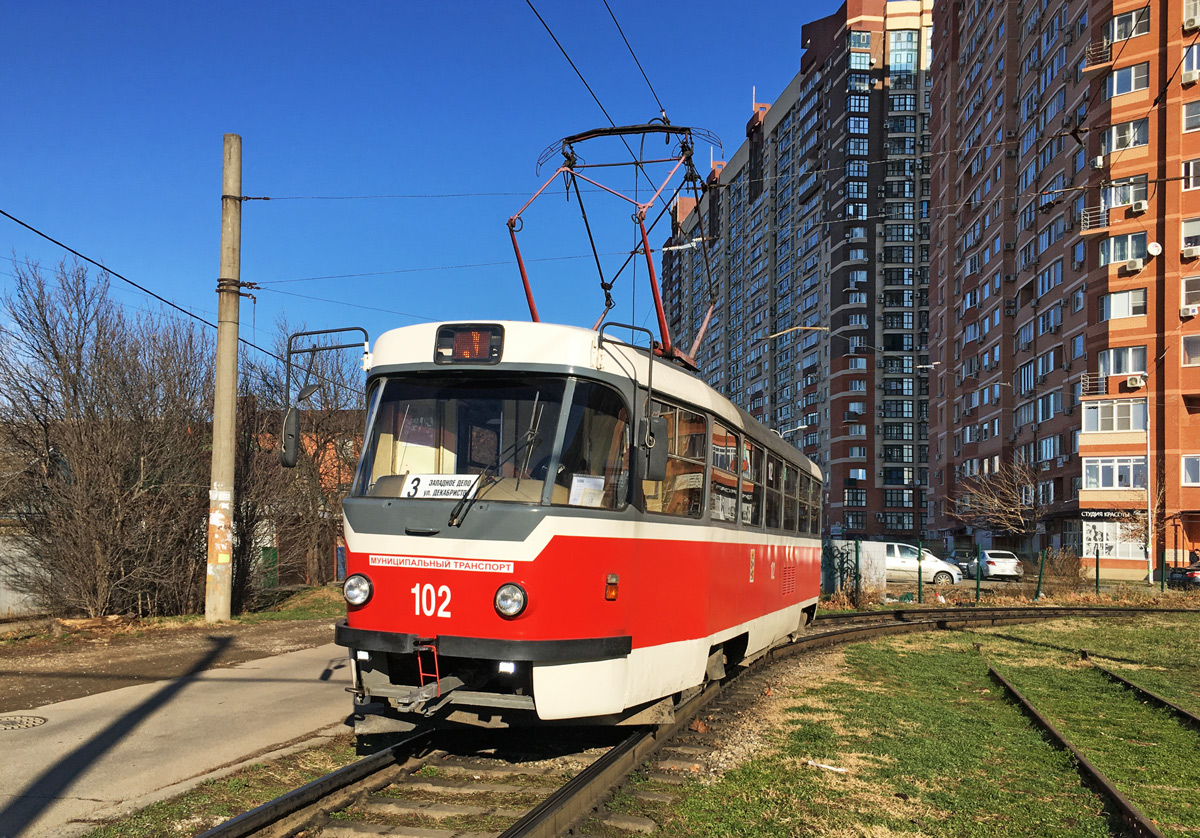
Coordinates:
(216, 801)
(932, 746)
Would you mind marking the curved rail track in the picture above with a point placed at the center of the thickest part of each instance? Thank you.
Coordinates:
(520, 783)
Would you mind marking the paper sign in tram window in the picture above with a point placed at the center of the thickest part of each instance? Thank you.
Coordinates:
(586, 490)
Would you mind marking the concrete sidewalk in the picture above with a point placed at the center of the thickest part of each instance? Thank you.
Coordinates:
(115, 752)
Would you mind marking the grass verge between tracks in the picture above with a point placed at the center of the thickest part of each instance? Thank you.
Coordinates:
(930, 745)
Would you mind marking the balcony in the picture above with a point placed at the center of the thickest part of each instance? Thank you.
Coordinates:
(1097, 56)
(1093, 220)
(1092, 384)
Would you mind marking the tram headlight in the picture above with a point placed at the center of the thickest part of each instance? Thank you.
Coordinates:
(357, 589)
(510, 600)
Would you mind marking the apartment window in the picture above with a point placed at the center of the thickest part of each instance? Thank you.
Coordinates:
(856, 364)
(1114, 472)
(861, 125)
(858, 82)
(858, 474)
(856, 298)
(862, 40)
(1191, 58)
(857, 103)
(856, 430)
(854, 520)
(1191, 290)
(1125, 191)
(1128, 25)
(1127, 80)
(1191, 116)
(1123, 304)
(860, 61)
(1126, 135)
(1191, 232)
(1190, 469)
(1191, 351)
(1114, 416)
(1120, 248)
(854, 497)
(858, 452)
(857, 147)
(1191, 174)
(1124, 360)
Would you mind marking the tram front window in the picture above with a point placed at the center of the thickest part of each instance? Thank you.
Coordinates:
(433, 438)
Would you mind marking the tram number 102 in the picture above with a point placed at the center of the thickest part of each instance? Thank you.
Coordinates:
(429, 602)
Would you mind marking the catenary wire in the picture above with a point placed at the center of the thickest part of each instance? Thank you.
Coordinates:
(653, 92)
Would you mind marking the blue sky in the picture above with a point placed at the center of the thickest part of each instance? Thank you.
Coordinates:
(115, 113)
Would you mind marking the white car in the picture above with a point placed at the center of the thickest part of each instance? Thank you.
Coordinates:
(998, 564)
(901, 563)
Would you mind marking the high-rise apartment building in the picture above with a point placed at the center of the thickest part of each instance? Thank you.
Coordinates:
(813, 242)
(1066, 271)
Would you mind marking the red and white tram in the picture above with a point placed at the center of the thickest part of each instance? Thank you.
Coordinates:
(550, 524)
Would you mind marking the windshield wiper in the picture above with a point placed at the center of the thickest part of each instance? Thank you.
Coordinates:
(488, 477)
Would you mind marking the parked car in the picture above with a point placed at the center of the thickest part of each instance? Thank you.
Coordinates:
(997, 564)
(1184, 577)
(900, 562)
(963, 558)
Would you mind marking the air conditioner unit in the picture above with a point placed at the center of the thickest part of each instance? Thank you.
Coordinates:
(1068, 121)
(1189, 311)
(1010, 152)
(1138, 207)
(1189, 76)
(1010, 245)
(1190, 253)
(1041, 379)
(1098, 162)
(1013, 277)
(1011, 135)
(1012, 437)
(1191, 24)
(1135, 381)
(1133, 265)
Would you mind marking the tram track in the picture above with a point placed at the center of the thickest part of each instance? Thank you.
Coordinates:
(477, 785)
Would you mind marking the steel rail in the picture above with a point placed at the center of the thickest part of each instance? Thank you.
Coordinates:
(582, 794)
(1130, 813)
(1186, 717)
(311, 793)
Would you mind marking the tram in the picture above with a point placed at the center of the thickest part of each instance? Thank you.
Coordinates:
(549, 523)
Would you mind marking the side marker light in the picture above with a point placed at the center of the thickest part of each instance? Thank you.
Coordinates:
(610, 588)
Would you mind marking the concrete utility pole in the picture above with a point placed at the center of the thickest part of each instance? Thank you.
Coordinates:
(219, 587)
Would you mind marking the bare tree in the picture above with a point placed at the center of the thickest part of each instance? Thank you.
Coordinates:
(106, 418)
(1004, 501)
(306, 502)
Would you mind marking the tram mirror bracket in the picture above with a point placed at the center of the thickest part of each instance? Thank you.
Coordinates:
(652, 430)
(289, 437)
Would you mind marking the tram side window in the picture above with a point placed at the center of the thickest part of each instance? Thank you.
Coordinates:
(814, 505)
(752, 489)
(790, 502)
(806, 509)
(774, 508)
(723, 492)
(815, 518)
(594, 464)
(682, 493)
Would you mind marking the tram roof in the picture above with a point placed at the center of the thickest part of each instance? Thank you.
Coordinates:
(546, 346)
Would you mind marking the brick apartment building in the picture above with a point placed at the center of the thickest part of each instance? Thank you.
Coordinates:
(813, 242)
(1066, 269)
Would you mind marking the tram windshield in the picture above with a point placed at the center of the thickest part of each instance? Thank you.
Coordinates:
(443, 438)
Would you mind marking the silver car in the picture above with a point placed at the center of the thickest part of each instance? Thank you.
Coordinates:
(998, 564)
(901, 564)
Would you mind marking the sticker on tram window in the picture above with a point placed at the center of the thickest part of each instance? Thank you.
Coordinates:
(452, 486)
